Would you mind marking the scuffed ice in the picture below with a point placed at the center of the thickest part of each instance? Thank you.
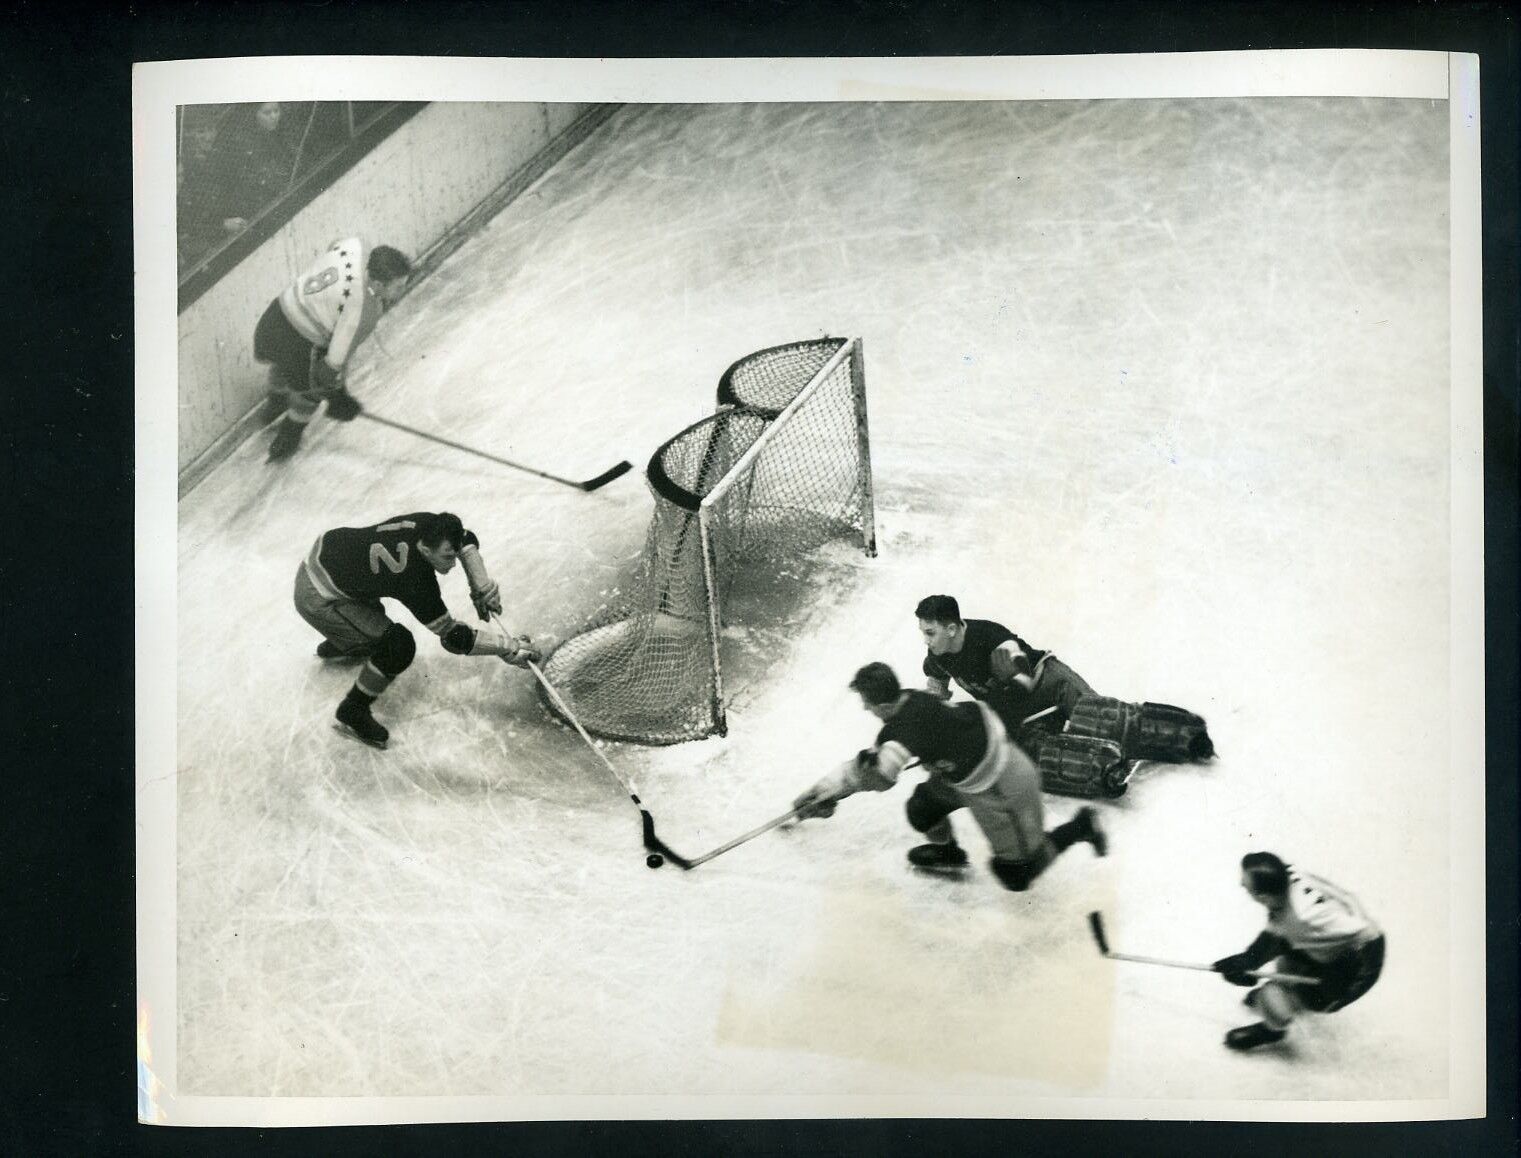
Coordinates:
(1162, 385)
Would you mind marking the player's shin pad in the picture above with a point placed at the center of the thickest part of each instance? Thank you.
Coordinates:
(1083, 766)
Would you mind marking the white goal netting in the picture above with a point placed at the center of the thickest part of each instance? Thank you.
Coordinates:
(780, 468)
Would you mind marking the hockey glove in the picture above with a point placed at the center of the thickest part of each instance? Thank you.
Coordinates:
(1235, 969)
(814, 803)
(343, 407)
(525, 654)
(487, 599)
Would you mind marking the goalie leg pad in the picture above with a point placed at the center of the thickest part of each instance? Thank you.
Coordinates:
(395, 650)
(1031, 731)
(1104, 717)
(1082, 766)
(1165, 732)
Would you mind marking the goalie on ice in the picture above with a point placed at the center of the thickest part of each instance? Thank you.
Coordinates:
(349, 570)
(971, 764)
(1085, 744)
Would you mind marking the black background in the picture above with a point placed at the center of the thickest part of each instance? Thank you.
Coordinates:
(67, 1072)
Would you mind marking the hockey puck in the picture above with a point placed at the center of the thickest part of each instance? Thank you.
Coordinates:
(654, 860)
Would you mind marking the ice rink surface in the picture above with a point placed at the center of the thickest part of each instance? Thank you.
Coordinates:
(1161, 385)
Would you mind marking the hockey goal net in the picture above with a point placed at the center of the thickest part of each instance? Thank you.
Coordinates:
(741, 497)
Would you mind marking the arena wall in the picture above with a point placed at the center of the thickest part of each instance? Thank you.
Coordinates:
(422, 189)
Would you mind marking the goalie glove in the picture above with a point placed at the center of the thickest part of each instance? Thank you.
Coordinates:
(487, 599)
(1009, 669)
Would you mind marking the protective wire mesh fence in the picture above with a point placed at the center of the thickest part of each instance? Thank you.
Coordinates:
(647, 667)
(237, 162)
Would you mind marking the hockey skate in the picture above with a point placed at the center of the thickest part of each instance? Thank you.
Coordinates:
(355, 720)
(937, 856)
(1246, 1037)
(287, 439)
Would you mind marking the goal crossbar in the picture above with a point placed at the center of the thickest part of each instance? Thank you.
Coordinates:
(746, 460)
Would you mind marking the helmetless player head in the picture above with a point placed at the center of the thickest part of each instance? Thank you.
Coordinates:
(1266, 879)
(439, 540)
(879, 689)
(388, 270)
(940, 624)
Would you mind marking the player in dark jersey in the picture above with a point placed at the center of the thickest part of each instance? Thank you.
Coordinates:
(1314, 929)
(349, 570)
(1049, 710)
(1032, 691)
(971, 764)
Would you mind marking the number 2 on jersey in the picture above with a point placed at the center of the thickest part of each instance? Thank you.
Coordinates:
(395, 564)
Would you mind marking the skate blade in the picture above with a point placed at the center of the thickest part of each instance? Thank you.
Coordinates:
(345, 730)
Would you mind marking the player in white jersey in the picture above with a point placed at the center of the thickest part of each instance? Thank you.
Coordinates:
(1314, 929)
(308, 333)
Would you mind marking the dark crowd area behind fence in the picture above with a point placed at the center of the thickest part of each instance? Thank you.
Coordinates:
(241, 164)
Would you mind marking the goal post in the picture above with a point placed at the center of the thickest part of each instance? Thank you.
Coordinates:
(742, 498)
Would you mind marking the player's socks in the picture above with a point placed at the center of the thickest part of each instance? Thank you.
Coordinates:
(1064, 836)
(1095, 835)
(1251, 1036)
(947, 855)
(354, 714)
(274, 404)
(1085, 827)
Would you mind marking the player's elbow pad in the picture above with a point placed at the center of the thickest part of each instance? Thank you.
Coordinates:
(489, 639)
(459, 639)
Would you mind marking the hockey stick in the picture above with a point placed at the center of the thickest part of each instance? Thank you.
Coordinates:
(1096, 923)
(590, 484)
(790, 814)
(651, 841)
(775, 822)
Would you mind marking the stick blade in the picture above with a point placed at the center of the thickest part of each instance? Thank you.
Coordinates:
(655, 844)
(1096, 923)
(607, 476)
